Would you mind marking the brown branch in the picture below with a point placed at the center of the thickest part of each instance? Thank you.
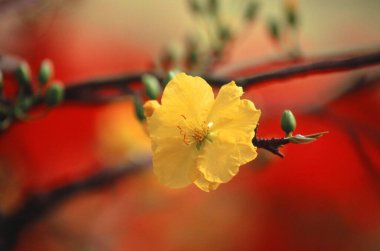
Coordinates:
(90, 91)
(75, 91)
(40, 204)
(321, 67)
(272, 145)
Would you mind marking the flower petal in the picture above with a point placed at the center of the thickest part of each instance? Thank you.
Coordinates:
(173, 161)
(187, 96)
(205, 185)
(184, 98)
(229, 112)
(220, 160)
(234, 122)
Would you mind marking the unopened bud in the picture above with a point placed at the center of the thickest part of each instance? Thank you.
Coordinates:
(195, 6)
(54, 94)
(288, 122)
(23, 77)
(224, 32)
(171, 74)
(291, 7)
(213, 6)
(45, 72)
(5, 123)
(139, 109)
(274, 29)
(251, 11)
(152, 86)
(22, 106)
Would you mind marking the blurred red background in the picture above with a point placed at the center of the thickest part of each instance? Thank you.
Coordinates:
(321, 196)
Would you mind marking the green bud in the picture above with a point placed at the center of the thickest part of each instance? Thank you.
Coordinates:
(21, 107)
(251, 11)
(171, 74)
(213, 6)
(195, 6)
(139, 108)
(45, 72)
(192, 57)
(54, 94)
(23, 77)
(291, 17)
(274, 29)
(288, 122)
(152, 86)
(224, 32)
(5, 123)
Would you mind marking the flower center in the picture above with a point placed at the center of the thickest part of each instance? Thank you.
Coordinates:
(194, 134)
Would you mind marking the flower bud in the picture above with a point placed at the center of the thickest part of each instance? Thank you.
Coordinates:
(213, 6)
(21, 107)
(45, 72)
(54, 94)
(5, 123)
(288, 122)
(152, 86)
(195, 6)
(139, 109)
(291, 7)
(170, 75)
(23, 77)
(225, 32)
(251, 11)
(274, 29)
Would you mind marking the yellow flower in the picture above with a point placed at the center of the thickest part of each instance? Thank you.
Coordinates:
(199, 139)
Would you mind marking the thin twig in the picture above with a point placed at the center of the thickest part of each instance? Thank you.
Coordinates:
(90, 90)
(39, 205)
(74, 91)
(326, 66)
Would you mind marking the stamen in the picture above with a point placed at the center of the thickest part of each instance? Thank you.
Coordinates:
(194, 134)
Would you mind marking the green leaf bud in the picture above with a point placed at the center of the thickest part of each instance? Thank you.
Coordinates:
(274, 29)
(139, 108)
(288, 122)
(152, 86)
(45, 72)
(54, 94)
(251, 10)
(21, 107)
(170, 75)
(23, 77)
(225, 32)
(195, 6)
(291, 7)
(213, 6)
(5, 123)
(292, 18)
